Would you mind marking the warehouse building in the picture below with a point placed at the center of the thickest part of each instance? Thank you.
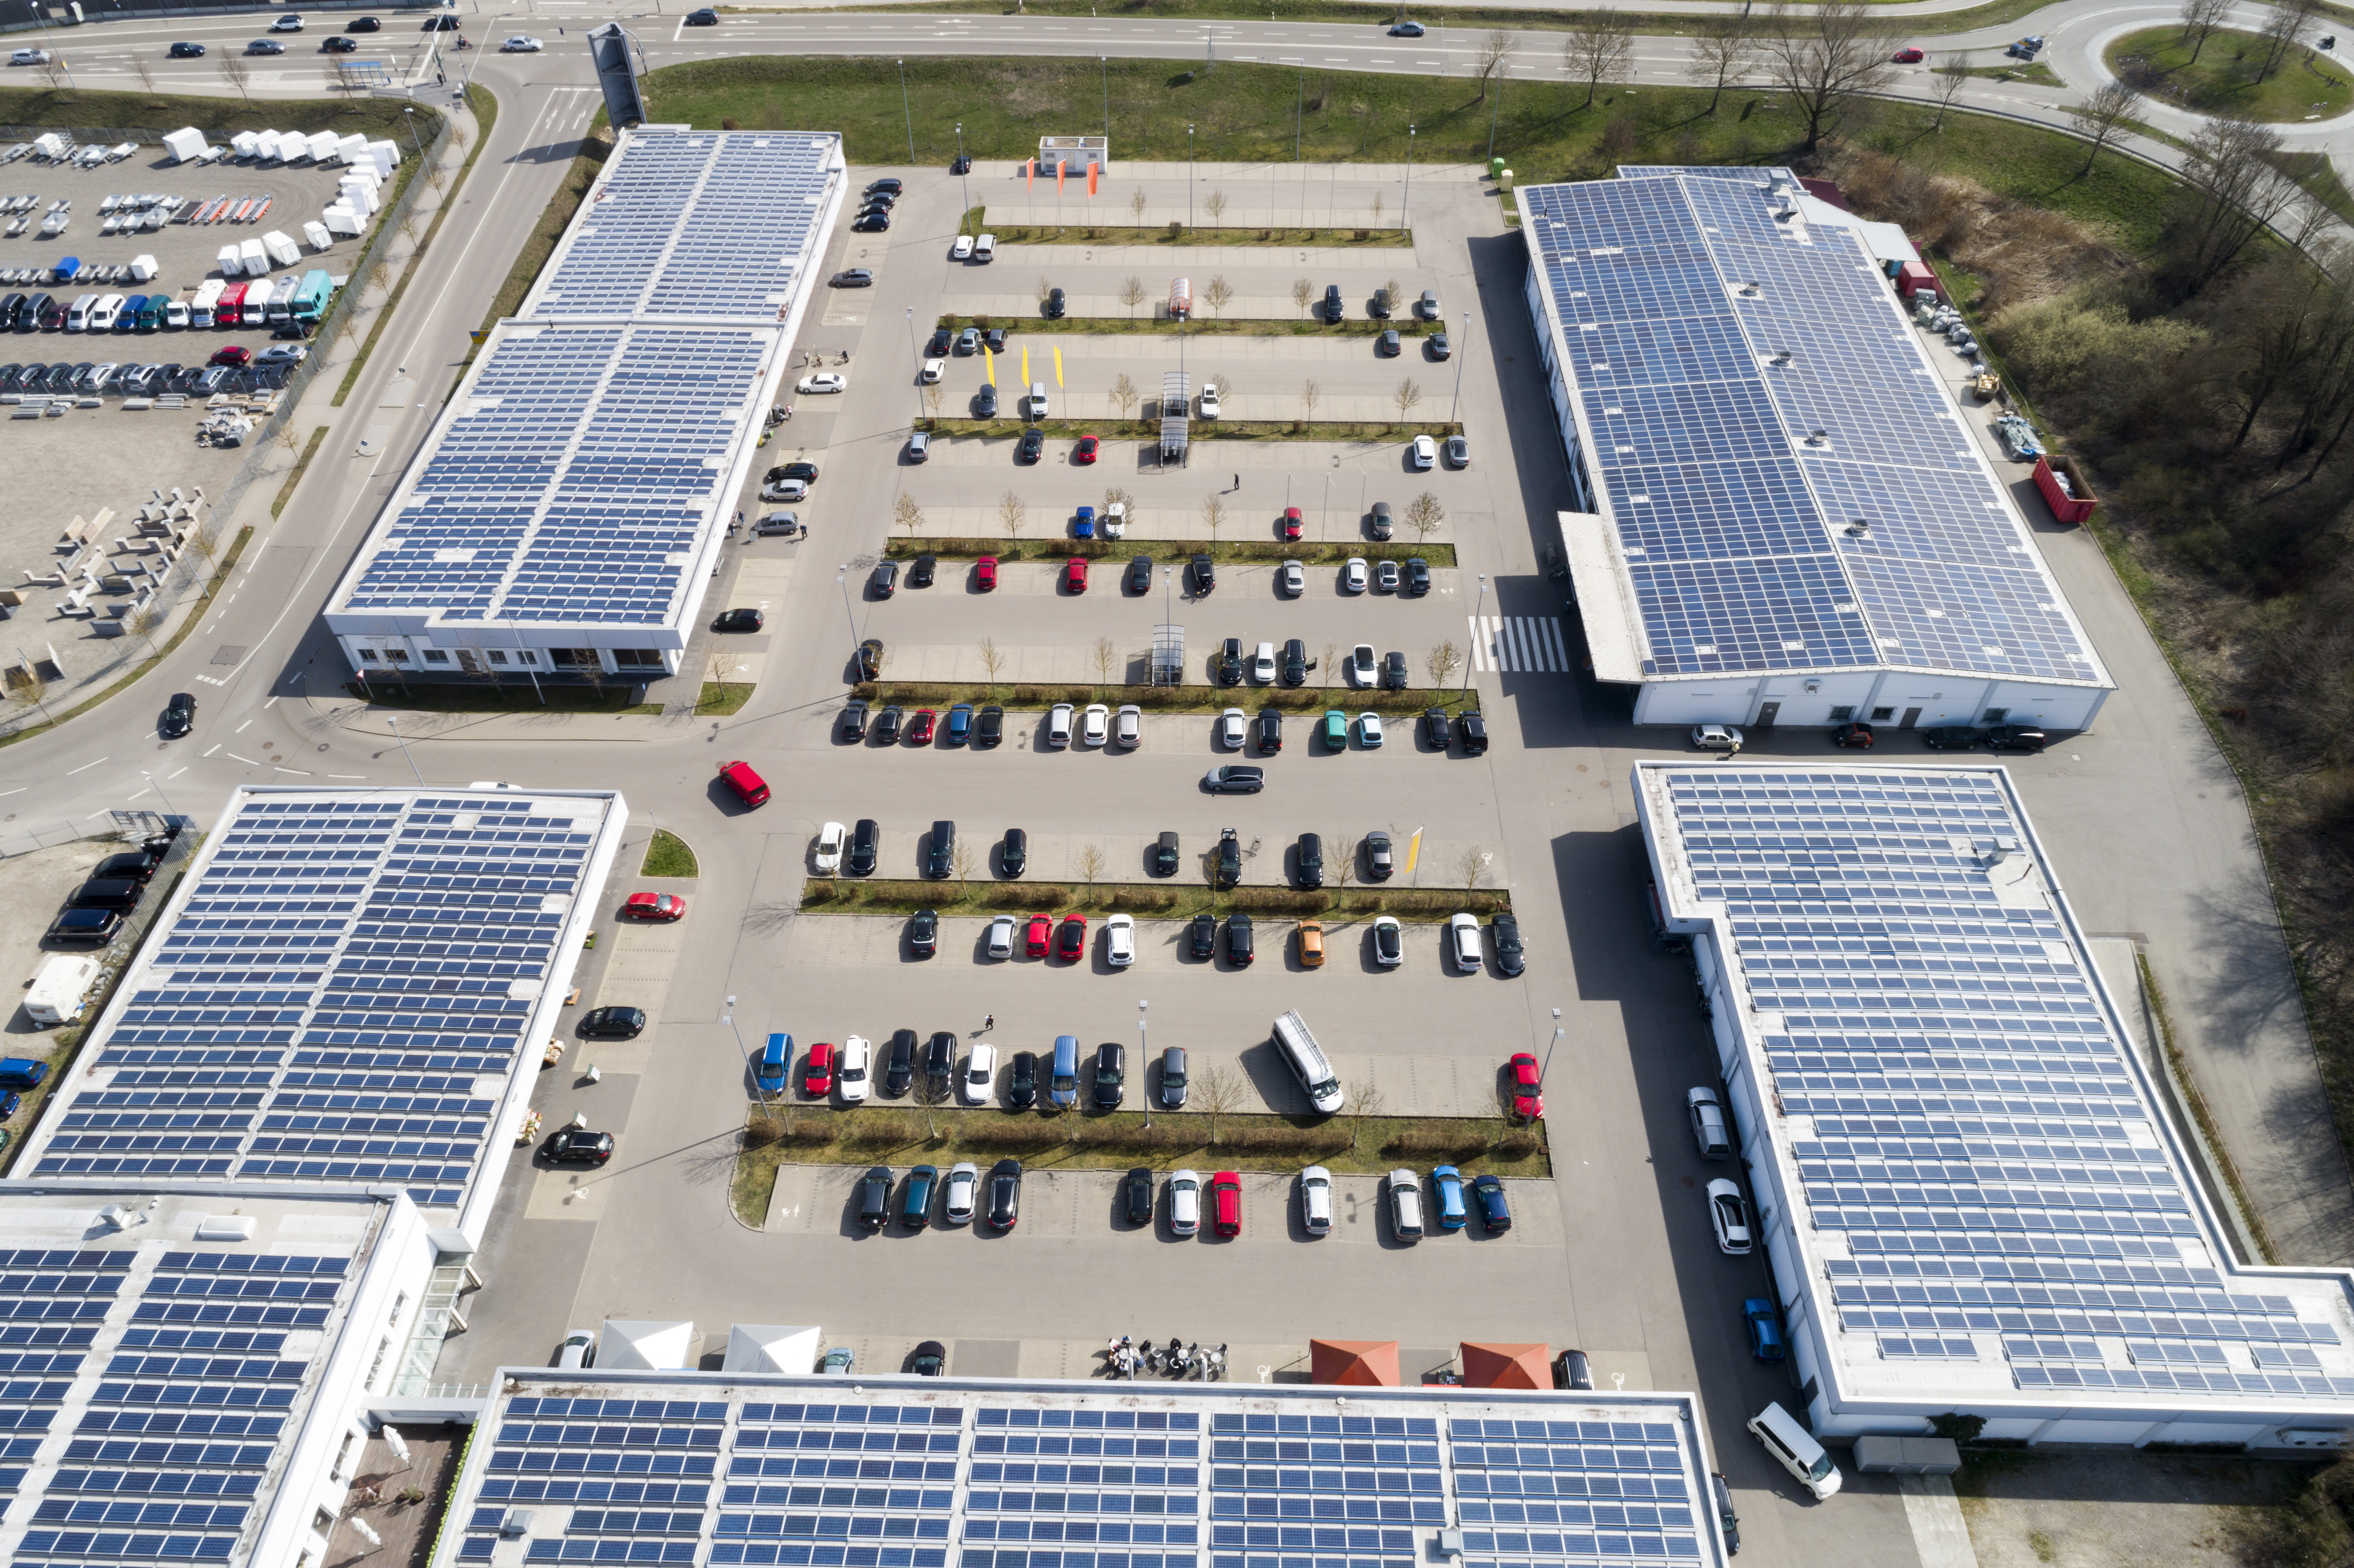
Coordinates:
(566, 516)
(1971, 1198)
(1785, 517)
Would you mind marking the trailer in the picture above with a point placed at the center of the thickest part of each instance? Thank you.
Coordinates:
(185, 145)
(281, 249)
(58, 988)
(2065, 490)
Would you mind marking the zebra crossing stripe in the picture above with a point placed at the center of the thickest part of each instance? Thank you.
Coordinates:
(1518, 644)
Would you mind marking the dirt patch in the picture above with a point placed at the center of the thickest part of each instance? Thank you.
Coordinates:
(2049, 1510)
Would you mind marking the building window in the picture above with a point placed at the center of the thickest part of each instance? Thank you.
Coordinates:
(344, 1455)
(395, 655)
(528, 657)
(400, 1305)
(575, 658)
(497, 657)
(367, 656)
(637, 658)
(323, 1521)
(1881, 716)
(435, 656)
(383, 1349)
(1843, 715)
(1995, 715)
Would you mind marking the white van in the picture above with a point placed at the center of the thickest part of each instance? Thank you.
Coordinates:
(1037, 400)
(1307, 1060)
(103, 313)
(985, 248)
(77, 314)
(1797, 1448)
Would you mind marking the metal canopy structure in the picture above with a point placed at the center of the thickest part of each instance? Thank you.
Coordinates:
(1176, 393)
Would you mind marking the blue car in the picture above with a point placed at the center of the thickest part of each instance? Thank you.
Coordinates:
(1495, 1214)
(9, 1103)
(1083, 527)
(959, 726)
(772, 1068)
(1765, 1328)
(916, 1208)
(1447, 1196)
(1406, 31)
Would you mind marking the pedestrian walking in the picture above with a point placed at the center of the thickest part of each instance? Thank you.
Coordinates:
(1238, 482)
(989, 1024)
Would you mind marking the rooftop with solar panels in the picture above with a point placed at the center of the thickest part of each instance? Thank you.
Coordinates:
(1776, 474)
(1970, 1194)
(817, 1472)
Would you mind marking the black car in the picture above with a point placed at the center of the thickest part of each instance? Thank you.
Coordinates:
(1139, 575)
(960, 165)
(938, 348)
(1164, 856)
(1312, 860)
(890, 185)
(1204, 574)
(1509, 956)
(1239, 947)
(184, 51)
(921, 574)
(1270, 731)
(2015, 737)
(1228, 869)
(179, 715)
(1022, 1086)
(853, 720)
(1296, 663)
(1055, 304)
(1394, 672)
(706, 18)
(1434, 728)
(85, 926)
(1201, 937)
(939, 855)
(870, 223)
(1729, 1521)
(885, 581)
(130, 865)
(930, 1360)
(874, 1198)
(578, 1145)
(1332, 308)
(1472, 731)
(365, 24)
(870, 659)
(1950, 737)
(338, 45)
(1110, 1085)
(1013, 854)
(1858, 736)
(1033, 445)
(1572, 1370)
(612, 1023)
(1136, 1189)
(881, 200)
(739, 621)
(924, 933)
(865, 845)
(1235, 779)
(991, 728)
(940, 1059)
(887, 725)
(1230, 663)
(1005, 1194)
(1417, 577)
(985, 402)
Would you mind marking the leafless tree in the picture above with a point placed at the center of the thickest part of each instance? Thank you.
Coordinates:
(202, 545)
(1215, 204)
(1474, 865)
(1443, 662)
(1722, 53)
(1332, 661)
(1302, 291)
(1131, 293)
(1104, 653)
(932, 401)
(1213, 512)
(1424, 514)
(1115, 496)
(2287, 22)
(1219, 294)
(906, 513)
(60, 78)
(1946, 84)
(2103, 117)
(1341, 856)
(960, 858)
(992, 660)
(1377, 209)
(1827, 57)
(2234, 193)
(1496, 46)
(1408, 398)
(1599, 44)
(1366, 1103)
(240, 78)
(1123, 394)
(1091, 867)
(2199, 20)
(1217, 1089)
(27, 685)
(933, 1090)
(1310, 394)
(147, 620)
(1012, 514)
(144, 72)
(1136, 204)
(1045, 288)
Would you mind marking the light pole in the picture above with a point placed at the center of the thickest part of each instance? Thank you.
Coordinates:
(1455, 404)
(1546, 1070)
(964, 176)
(919, 385)
(1189, 184)
(411, 120)
(1298, 113)
(1475, 638)
(404, 746)
(909, 110)
(841, 581)
(1105, 62)
(730, 1019)
(1143, 1056)
(1407, 200)
(1494, 105)
(159, 791)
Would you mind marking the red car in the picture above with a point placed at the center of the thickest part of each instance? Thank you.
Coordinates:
(920, 731)
(817, 1071)
(1226, 1204)
(984, 573)
(1075, 574)
(1071, 946)
(1084, 451)
(1291, 524)
(1908, 57)
(233, 357)
(1528, 1088)
(1041, 929)
(749, 787)
(654, 906)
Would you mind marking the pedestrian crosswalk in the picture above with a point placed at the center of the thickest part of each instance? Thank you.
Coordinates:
(1518, 644)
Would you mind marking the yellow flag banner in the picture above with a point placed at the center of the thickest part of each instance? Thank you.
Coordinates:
(1413, 850)
(1058, 365)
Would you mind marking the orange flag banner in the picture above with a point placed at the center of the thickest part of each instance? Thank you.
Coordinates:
(1031, 174)
(1095, 177)
(1062, 168)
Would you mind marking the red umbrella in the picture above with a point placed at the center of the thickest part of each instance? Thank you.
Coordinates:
(1366, 1363)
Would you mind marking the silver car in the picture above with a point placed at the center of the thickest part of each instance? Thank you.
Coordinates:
(1001, 937)
(1058, 726)
(1354, 575)
(1291, 579)
(1127, 730)
(1316, 1200)
(1463, 941)
(1406, 1205)
(963, 1189)
(1184, 1202)
(1231, 726)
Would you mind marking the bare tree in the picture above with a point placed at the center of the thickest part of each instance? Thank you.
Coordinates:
(1341, 852)
(1442, 664)
(1131, 293)
(1218, 1090)
(1219, 294)
(1424, 514)
(1213, 512)
(992, 660)
(1366, 1102)
(1722, 53)
(1045, 288)
(1826, 58)
(1104, 653)
(1599, 44)
(1377, 209)
(240, 78)
(203, 544)
(144, 72)
(2234, 193)
(1115, 496)
(932, 401)
(1091, 867)
(2199, 20)
(1473, 865)
(2286, 24)
(906, 513)
(1946, 84)
(27, 685)
(1497, 47)
(1012, 514)
(1331, 659)
(1215, 204)
(147, 620)
(1302, 291)
(960, 858)
(1310, 394)
(1123, 394)
(933, 1090)
(1136, 204)
(61, 76)
(2103, 117)
(1407, 397)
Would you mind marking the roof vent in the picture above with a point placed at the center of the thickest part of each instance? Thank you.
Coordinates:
(1820, 438)
(1995, 852)
(517, 1522)
(1782, 357)
(1449, 1543)
(1860, 528)
(1750, 291)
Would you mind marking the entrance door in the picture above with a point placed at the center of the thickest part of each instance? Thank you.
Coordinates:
(1765, 712)
(471, 661)
(1911, 717)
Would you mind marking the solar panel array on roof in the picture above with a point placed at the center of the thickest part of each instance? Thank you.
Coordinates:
(1963, 1117)
(341, 998)
(710, 225)
(1752, 390)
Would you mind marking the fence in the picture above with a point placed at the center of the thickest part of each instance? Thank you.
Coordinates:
(97, 825)
(18, 16)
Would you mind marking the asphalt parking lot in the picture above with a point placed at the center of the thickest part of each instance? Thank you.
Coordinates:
(1094, 278)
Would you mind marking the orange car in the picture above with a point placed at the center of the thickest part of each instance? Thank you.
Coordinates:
(1312, 943)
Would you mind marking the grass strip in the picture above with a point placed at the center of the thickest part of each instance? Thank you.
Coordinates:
(454, 698)
(219, 117)
(667, 854)
(486, 106)
(294, 474)
(1213, 327)
(1237, 553)
(1202, 429)
(719, 699)
(1464, 17)
(1171, 900)
(2225, 78)
(2196, 1103)
(1252, 1143)
(942, 696)
(1389, 238)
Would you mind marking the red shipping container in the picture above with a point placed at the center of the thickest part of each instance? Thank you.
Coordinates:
(2065, 490)
(1913, 277)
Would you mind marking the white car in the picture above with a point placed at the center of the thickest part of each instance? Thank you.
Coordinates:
(1127, 730)
(1389, 941)
(1058, 726)
(1119, 940)
(1097, 728)
(1728, 1215)
(962, 249)
(1113, 524)
(1209, 399)
(1425, 452)
(1722, 738)
(850, 1073)
(1231, 726)
(1291, 579)
(1316, 1200)
(1353, 575)
(785, 490)
(829, 848)
(28, 56)
(1360, 664)
(825, 381)
(1406, 1205)
(1369, 730)
(932, 372)
(979, 1074)
(290, 23)
(1463, 941)
(1001, 937)
(1184, 1202)
(520, 45)
(963, 1191)
(1263, 664)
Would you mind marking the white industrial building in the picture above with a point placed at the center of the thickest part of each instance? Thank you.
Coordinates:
(1784, 516)
(564, 519)
(1970, 1196)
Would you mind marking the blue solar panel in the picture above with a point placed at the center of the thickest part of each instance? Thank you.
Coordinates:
(1752, 390)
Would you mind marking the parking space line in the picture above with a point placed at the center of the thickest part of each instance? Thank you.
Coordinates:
(84, 768)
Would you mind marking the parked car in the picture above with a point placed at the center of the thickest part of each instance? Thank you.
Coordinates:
(1226, 1204)
(1316, 1200)
(1405, 1191)
(1528, 1087)
(657, 907)
(849, 1072)
(1119, 940)
(1184, 1202)
(915, 1205)
(1463, 942)
(1728, 1217)
(1235, 779)
(1108, 1086)
(962, 1193)
(817, 1071)
(1389, 941)
(578, 1145)
(1005, 1194)
(1164, 856)
(612, 1023)
(1241, 944)
(979, 1072)
(874, 1198)
(1762, 1325)
(1495, 1210)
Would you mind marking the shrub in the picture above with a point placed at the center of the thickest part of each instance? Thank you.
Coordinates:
(1518, 1144)
(1470, 1138)
(817, 890)
(1281, 900)
(761, 1131)
(1028, 697)
(810, 1134)
(883, 1127)
(1016, 1132)
(1144, 898)
(1135, 1135)
(1273, 1136)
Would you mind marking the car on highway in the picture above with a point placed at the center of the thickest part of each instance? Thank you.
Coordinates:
(817, 1071)
(179, 716)
(1528, 1087)
(960, 1194)
(1728, 1217)
(1119, 940)
(1184, 1202)
(1226, 1204)
(289, 23)
(578, 1145)
(1406, 31)
(612, 1023)
(824, 381)
(1906, 56)
(365, 24)
(1071, 940)
(1235, 779)
(655, 907)
(1403, 1190)
(1005, 1194)
(185, 51)
(521, 43)
(979, 1074)
(1389, 941)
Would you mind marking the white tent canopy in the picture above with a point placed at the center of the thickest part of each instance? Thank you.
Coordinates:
(766, 1348)
(645, 1346)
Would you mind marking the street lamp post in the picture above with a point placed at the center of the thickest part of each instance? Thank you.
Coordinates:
(908, 108)
(730, 1019)
(1546, 1071)
(1474, 650)
(1189, 182)
(1407, 200)
(841, 581)
(410, 113)
(920, 385)
(1143, 1054)
(159, 791)
(1455, 405)
(1104, 61)
(404, 746)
